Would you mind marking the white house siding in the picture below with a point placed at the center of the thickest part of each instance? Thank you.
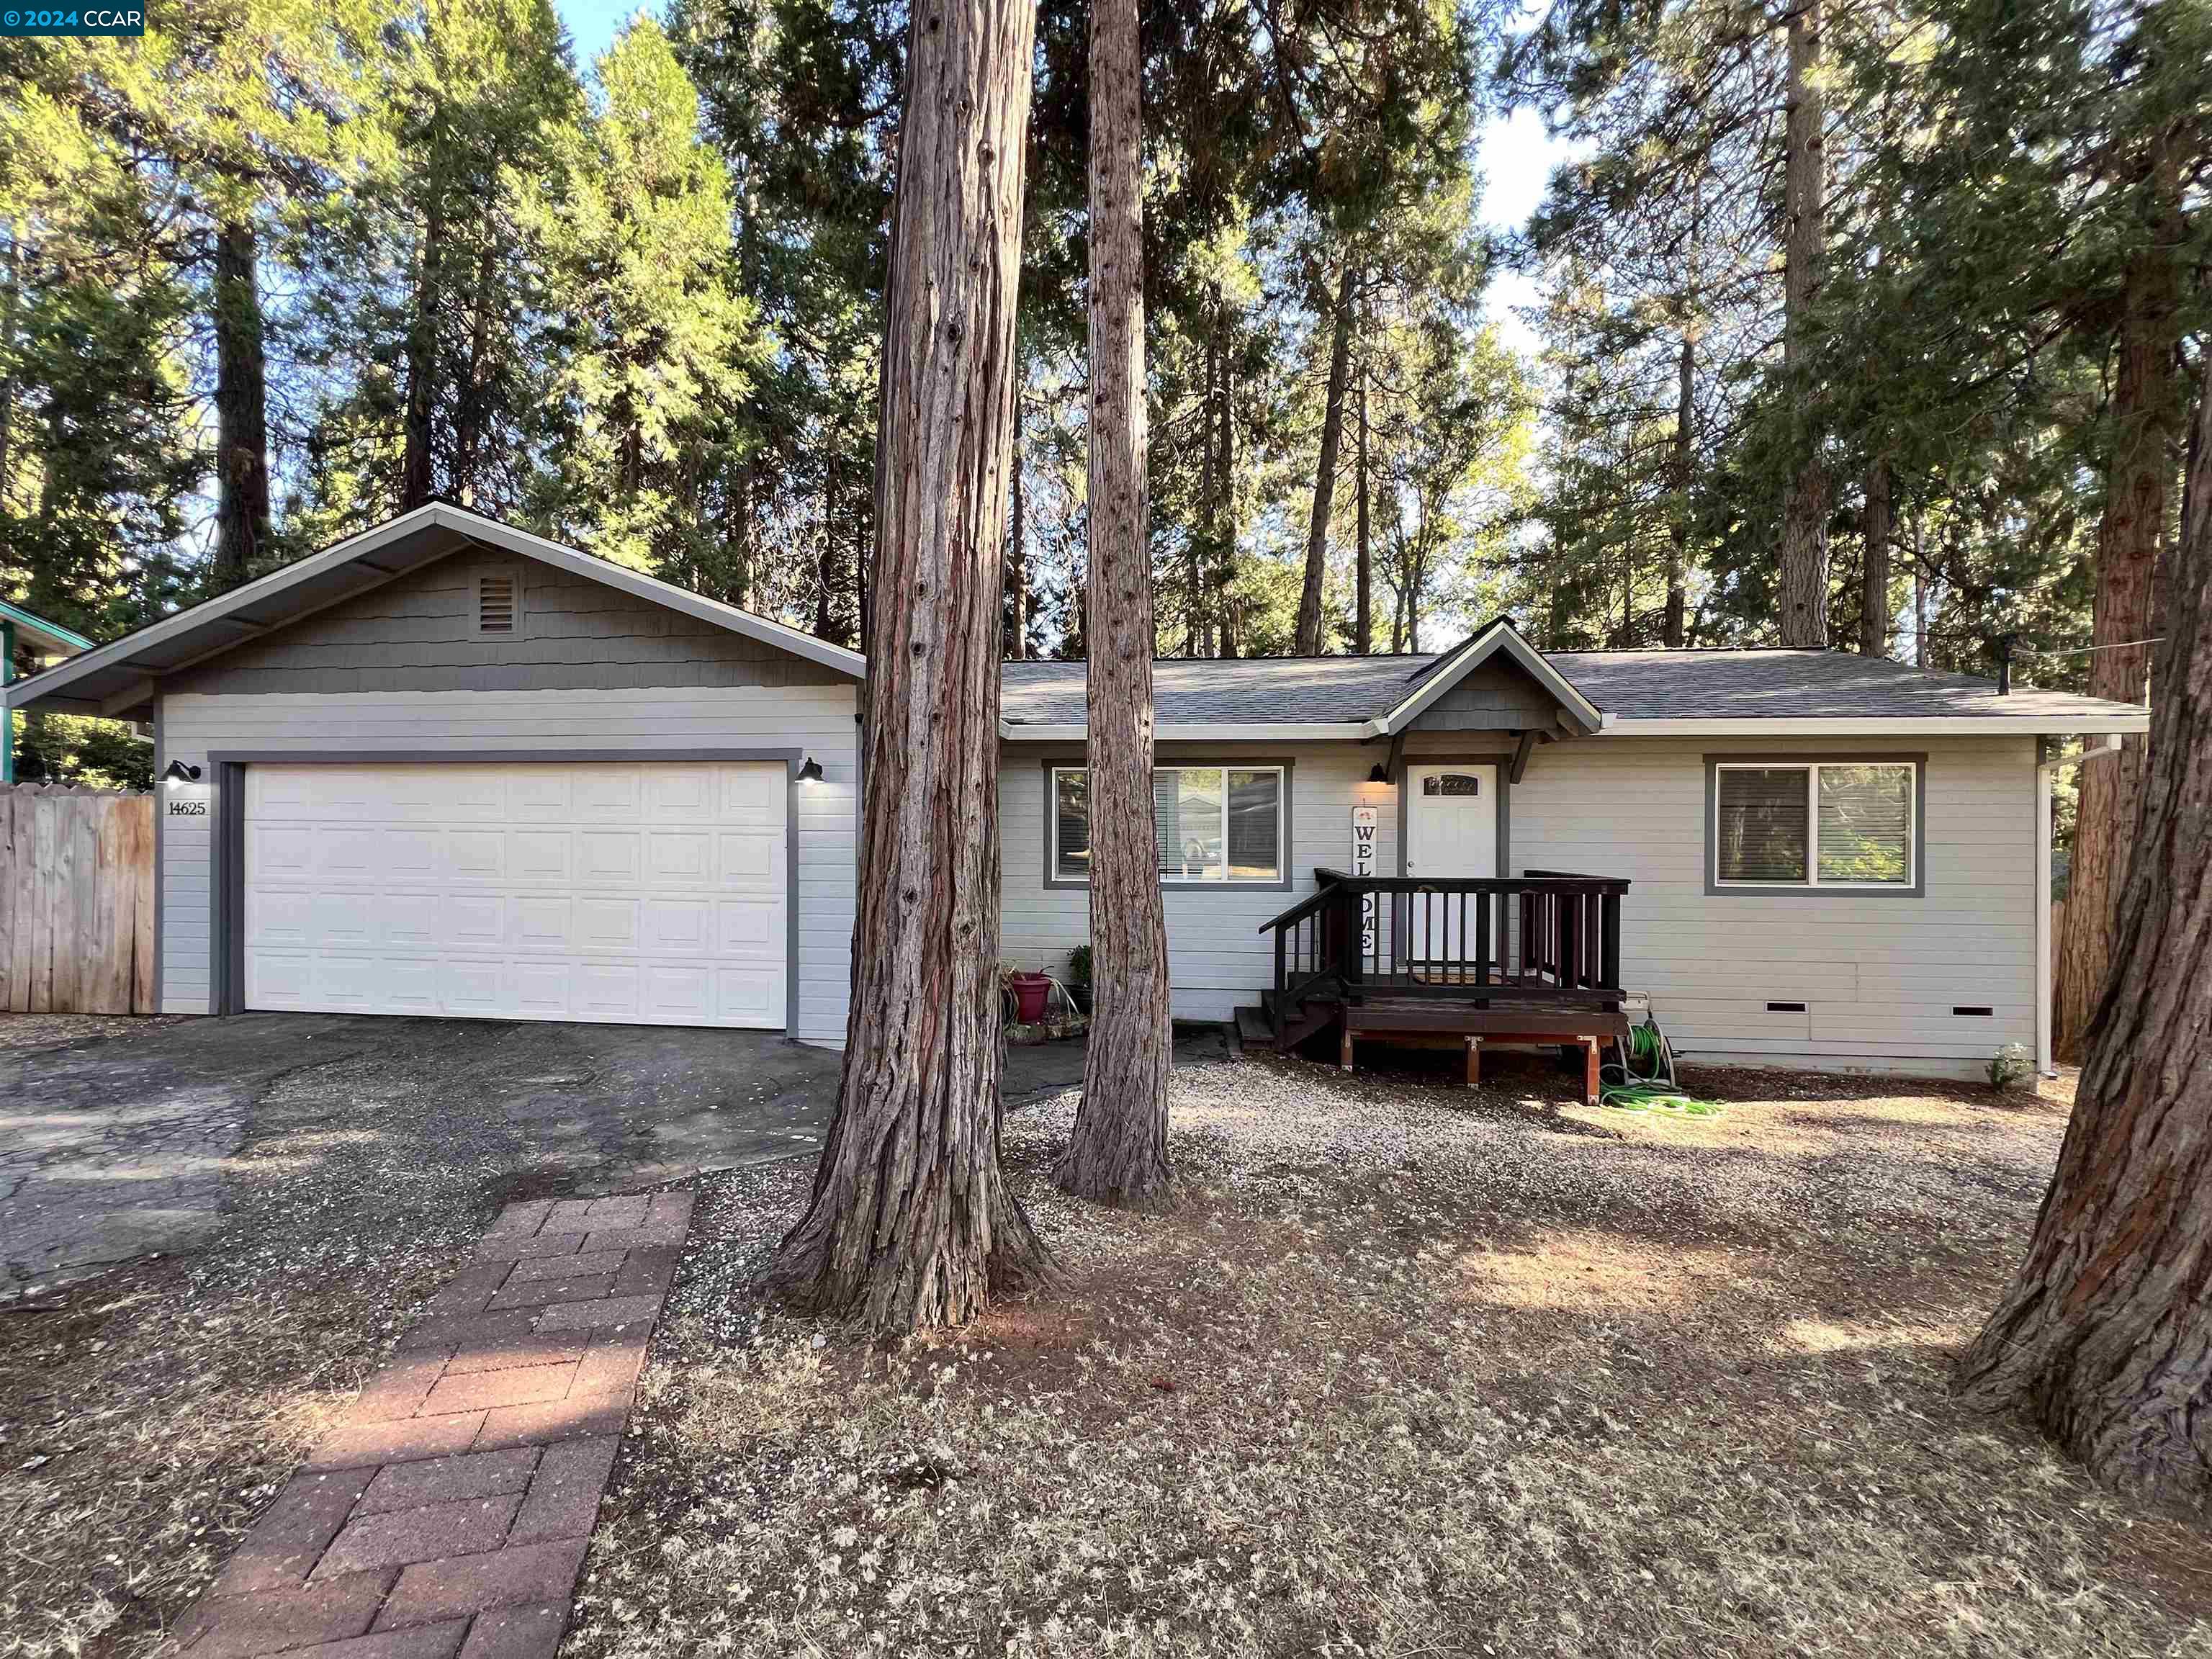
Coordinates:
(1217, 956)
(817, 719)
(1878, 977)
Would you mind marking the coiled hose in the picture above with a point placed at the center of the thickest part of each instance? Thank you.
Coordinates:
(1640, 1078)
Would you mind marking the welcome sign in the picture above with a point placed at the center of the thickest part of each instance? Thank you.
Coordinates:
(1363, 864)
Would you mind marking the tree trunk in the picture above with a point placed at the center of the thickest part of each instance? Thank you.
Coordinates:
(1804, 592)
(1226, 482)
(470, 413)
(1018, 557)
(738, 536)
(241, 409)
(1363, 624)
(2105, 1340)
(416, 486)
(1332, 440)
(1919, 594)
(2143, 421)
(1678, 539)
(911, 1224)
(1118, 1153)
(1874, 581)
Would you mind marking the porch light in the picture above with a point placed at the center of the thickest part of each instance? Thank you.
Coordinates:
(1377, 774)
(810, 771)
(180, 773)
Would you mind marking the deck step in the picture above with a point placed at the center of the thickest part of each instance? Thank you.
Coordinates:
(1253, 1028)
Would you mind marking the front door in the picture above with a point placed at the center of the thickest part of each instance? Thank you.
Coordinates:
(1451, 829)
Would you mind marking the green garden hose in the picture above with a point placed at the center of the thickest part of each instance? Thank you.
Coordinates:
(1641, 1078)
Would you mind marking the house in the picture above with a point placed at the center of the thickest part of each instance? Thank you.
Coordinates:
(449, 768)
(23, 634)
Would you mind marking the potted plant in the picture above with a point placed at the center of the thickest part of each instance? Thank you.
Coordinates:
(1029, 992)
(1078, 979)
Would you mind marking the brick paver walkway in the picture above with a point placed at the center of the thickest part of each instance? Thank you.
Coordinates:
(449, 1513)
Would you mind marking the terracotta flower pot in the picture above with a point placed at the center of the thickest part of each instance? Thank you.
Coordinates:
(1030, 991)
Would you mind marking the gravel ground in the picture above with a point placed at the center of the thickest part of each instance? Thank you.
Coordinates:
(1413, 1371)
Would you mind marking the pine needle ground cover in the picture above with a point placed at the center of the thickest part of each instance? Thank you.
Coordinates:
(1414, 1370)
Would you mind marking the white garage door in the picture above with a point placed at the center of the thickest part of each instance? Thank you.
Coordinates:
(651, 894)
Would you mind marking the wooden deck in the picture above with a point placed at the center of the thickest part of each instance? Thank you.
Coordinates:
(1460, 964)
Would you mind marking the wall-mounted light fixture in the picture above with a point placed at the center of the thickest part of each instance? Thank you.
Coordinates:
(810, 771)
(1378, 774)
(180, 773)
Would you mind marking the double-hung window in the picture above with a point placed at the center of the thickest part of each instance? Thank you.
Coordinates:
(1845, 825)
(1212, 825)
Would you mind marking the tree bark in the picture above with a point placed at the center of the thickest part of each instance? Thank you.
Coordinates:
(1678, 538)
(2105, 1340)
(1919, 592)
(911, 1224)
(1804, 588)
(1875, 530)
(1225, 483)
(1017, 557)
(1118, 1153)
(470, 414)
(415, 485)
(1332, 443)
(1363, 622)
(2144, 418)
(241, 408)
(738, 537)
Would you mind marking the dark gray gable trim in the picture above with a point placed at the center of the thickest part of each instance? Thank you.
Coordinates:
(226, 875)
(1715, 889)
(1229, 764)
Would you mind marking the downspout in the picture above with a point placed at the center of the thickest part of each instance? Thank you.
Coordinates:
(2044, 769)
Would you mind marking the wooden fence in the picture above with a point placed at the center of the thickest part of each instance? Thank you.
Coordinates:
(77, 901)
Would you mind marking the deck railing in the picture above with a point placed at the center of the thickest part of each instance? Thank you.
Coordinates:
(1545, 935)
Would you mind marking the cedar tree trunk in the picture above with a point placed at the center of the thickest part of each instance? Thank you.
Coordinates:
(2143, 422)
(241, 408)
(2105, 1340)
(911, 1224)
(1363, 616)
(414, 472)
(1119, 1150)
(1874, 581)
(1805, 513)
(1678, 539)
(1332, 441)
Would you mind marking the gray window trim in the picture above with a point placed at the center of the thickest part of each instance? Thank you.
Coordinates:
(1717, 888)
(1230, 763)
(227, 873)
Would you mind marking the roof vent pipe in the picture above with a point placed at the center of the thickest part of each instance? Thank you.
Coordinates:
(2003, 645)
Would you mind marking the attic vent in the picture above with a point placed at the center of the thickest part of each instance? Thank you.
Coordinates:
(499, 603)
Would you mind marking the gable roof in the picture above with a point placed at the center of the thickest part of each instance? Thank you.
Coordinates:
(1497, 637)
(1635, 692)
(29, 625)
(117, 678)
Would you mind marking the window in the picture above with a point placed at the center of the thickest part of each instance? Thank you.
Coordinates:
(1219, 825)
(1837, 824)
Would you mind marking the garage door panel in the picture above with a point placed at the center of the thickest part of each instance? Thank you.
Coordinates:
(609, 793)
(473, 922)
(652, 892)
(541, 923)
(682, 993)
(605, 924)
(680, 792)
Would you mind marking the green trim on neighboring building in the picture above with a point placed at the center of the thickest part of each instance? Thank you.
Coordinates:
(16, 623)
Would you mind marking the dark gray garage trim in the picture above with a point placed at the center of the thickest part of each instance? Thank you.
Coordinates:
(226, 877)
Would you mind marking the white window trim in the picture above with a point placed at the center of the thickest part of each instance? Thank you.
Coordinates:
(1280, 879)
(1812, 768)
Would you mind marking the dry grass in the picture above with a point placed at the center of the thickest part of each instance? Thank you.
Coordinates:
(1412, 1371)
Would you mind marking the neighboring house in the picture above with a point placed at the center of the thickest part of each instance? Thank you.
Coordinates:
(450, 768)
(25, 635)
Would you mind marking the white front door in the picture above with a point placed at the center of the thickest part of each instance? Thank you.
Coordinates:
(1451, 829)
(650, 893)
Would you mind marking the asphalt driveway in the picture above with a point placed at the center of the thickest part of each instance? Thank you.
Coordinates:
(123, 1137)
